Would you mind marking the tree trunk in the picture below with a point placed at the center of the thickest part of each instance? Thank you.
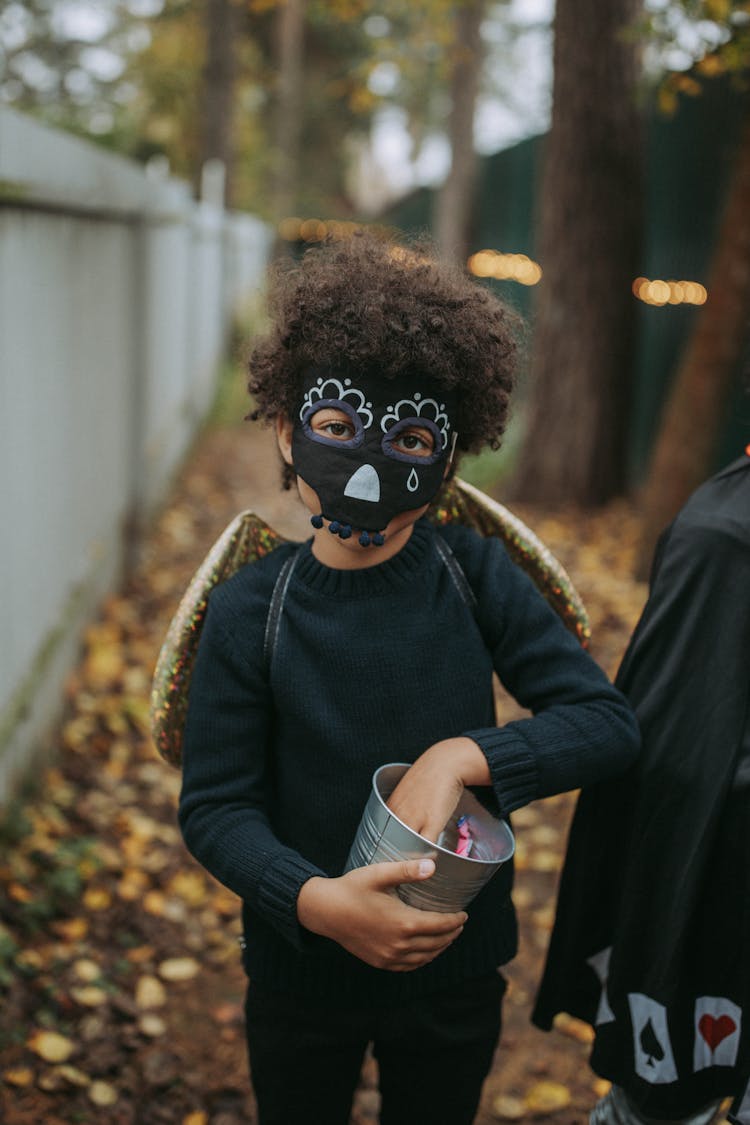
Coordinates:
(589, 231)
(289, 53)
(218, 88)
(455, 199)
(682, 454)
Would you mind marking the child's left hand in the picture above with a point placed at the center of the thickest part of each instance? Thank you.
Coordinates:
(429, 791)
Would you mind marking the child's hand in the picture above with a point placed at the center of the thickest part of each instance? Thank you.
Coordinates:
(429, 791)
(360, 911)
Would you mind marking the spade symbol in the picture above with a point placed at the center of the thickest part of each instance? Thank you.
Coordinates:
(651, 1045)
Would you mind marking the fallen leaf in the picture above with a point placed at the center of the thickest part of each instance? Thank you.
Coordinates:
(97, 898)
(89, 996)
(574, 1028)
(546, 1097)
(86, 970)
(508, 1109)
(19, 893)
(544, 860)
(150, 993)
(152, 1025)
(73, 1075)
(179, 968)
(102, 1094)
(50, 1046)
(154, 902)
(189, 886)
(20, 1076)
(71, 929)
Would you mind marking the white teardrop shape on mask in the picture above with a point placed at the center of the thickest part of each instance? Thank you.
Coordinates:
(413, 482)
(364, 484)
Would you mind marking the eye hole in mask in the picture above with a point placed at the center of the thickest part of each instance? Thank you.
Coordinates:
(334, 423)
(416, 441)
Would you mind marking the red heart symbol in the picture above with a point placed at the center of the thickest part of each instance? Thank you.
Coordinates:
(713, 1031)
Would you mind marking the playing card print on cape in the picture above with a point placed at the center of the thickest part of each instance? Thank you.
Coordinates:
(653, 922)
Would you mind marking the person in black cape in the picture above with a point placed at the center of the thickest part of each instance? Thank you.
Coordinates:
(651, 943)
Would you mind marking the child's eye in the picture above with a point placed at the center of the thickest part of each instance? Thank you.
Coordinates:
(338, 429)
(333, 424)
(417, 443)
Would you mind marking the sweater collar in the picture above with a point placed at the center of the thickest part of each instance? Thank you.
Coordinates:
(381, 578)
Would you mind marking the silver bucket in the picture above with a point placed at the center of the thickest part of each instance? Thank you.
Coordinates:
(382, 837)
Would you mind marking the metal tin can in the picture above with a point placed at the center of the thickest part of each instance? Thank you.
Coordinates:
(382, 837)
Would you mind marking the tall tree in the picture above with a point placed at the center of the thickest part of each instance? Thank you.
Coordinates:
(455, 198)
(695, 407)
(684, 449)
(589, 227)
(290, 23)
(219, 78)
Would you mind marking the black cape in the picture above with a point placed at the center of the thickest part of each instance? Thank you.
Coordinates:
(651, 943)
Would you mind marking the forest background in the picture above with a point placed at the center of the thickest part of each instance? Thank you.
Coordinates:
(318, 114)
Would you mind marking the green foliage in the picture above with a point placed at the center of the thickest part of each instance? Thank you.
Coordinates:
(689, 42)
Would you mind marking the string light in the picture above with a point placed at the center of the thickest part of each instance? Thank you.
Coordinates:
(660, 293)
(505, 267)
(293, 229)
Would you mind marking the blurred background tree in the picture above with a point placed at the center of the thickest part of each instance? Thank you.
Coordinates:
(294, 98)
(710, 40)
(589, 232)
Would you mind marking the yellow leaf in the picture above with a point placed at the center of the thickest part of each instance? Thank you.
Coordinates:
(574, 1028)
(547, 1097)
(50, 1046)
(73, 1075)
(70, 929)
(508, 1109)
(179, 968)
(140, 954)
(132, 885)
(189, 886)
(19, 893)
(601, 1087)
(152, 1025)
(102, 1094)
(196, 1118)
(154, 902)
(544, 860)
(20, 1076)
(90, 996)
(86, 970)
(97, 898)
(150, 993)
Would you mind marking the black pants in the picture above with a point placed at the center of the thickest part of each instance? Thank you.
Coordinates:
(433, 1055)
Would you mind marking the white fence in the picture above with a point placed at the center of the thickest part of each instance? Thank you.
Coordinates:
(116, 294)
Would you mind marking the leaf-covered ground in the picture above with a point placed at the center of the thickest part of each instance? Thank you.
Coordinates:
(120, 985)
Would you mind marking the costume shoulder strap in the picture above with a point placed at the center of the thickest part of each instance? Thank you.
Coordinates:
(275, 609)
(457, 573)
(246, 539)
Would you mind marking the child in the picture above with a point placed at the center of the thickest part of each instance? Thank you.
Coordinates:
(379, 365)
(653, 922)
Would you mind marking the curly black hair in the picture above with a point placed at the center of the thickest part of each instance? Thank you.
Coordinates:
(374, 305)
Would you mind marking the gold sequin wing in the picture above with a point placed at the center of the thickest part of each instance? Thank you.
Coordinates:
(460, 502)
(244, 540)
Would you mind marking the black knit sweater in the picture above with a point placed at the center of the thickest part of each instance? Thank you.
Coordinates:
(373, 666)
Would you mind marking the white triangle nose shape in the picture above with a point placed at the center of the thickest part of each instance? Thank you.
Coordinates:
(364, 484)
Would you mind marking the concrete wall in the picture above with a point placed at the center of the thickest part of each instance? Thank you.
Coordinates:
(116, 295)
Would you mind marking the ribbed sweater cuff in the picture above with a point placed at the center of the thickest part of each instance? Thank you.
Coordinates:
(277, 897)
(513, 768)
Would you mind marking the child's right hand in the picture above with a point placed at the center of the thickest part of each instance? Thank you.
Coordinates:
(360, 911)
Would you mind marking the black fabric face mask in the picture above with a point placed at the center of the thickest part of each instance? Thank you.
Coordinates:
(372, 467)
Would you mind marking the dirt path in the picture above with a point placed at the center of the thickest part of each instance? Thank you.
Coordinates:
(120, 985)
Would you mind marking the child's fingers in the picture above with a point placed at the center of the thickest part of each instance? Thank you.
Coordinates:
(390, 874)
